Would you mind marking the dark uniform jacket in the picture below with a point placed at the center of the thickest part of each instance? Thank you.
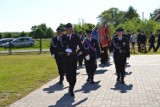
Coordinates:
(91, 46)
(56, 46)
(138, 38)
(72, 42)
(143, 39)
(120, 47)
(79, 51)
(152, 39)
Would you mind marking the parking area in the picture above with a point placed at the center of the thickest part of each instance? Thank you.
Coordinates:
(142, 88)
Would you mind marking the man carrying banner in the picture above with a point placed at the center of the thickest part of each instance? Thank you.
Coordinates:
(105, 40)
(91, 46)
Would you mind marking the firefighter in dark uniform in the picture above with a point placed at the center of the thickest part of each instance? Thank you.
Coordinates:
(56, 49)
(151, 42)
(143, 41)
(104, 55)
(119, 51)
(138, 40)
(80, 55)
(70, 42)
(91, 46)
(158, 41)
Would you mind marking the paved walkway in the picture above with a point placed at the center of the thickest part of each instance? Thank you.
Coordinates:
(142, 88)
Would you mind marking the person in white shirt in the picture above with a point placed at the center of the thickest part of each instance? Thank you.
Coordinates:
(133, 41)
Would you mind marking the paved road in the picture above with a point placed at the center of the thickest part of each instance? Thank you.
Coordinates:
(24, 51)
(142, 88)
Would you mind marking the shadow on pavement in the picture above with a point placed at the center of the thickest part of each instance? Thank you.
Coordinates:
(67, 101)
(128, 73)
(105, 65)
(87, 87)
(100, 71)
(123, 88)
(55, 87)
(127, 65)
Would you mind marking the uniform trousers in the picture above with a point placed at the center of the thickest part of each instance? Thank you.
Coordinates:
(60, 66)
(91, 67)
(70, 67)
(80, 60)
(120, 61)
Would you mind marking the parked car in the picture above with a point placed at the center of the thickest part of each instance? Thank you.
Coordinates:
(5, 40)
(20, 42)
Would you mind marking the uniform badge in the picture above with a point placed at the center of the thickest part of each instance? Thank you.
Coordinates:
(124, 44)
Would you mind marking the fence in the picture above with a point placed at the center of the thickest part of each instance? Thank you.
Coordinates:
(32, 49)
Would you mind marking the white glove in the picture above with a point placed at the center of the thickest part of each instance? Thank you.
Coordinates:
(78, 47)
(102, 51)
(68, 50)
(53, 56)
(111, 54)
(87, 57)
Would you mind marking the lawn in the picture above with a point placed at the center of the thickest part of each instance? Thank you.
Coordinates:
(21, 74)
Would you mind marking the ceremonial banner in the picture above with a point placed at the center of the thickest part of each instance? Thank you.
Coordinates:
(108, 37)
(102, 35)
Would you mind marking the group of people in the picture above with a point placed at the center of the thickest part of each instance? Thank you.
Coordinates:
(141, 40)
(64, 49)
(70, 49)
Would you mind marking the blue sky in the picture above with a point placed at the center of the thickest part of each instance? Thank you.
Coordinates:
(21, 15)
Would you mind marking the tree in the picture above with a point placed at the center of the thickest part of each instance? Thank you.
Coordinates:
(155, 13)
(7, 35)
(33, 28)
(49, 33)
(43, 27)
(112, 16)
(1, 36)
(31, 34)
(131, 13)
(39, 33)
(23, 34)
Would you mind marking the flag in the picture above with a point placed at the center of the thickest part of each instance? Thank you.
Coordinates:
(102, 35)
(95, 33)
(108, 36)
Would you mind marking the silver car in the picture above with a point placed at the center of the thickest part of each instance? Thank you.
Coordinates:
(5, 40)
(20, 42)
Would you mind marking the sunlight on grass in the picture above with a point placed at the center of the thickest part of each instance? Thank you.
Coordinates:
(21, 74)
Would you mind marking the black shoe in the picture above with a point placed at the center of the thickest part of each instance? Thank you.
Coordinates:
(92, 82)
(60, 82)
(88, 79)
(122, 82)
(72, 94)
(118, 79)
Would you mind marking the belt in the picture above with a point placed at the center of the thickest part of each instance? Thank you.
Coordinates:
(70, 54)
(60, 53)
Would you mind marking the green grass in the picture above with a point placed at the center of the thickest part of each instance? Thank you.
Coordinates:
(21, 74)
